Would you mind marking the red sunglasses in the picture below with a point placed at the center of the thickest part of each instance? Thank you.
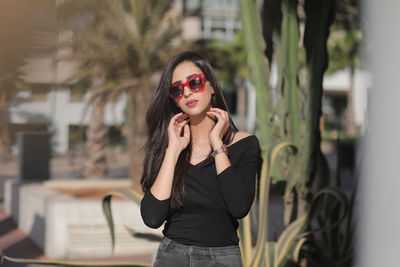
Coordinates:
(195, 83)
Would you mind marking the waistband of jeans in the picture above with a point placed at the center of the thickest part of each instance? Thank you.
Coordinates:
(193, 249)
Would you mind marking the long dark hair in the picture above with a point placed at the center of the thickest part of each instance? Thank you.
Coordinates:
(162, 108)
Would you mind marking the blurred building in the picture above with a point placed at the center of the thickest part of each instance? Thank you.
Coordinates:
(52, 105)
(335, 102)
(212, 19)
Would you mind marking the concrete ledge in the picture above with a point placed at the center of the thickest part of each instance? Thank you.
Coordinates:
(66, 227)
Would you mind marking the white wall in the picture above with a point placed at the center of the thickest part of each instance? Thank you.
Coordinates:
(60, 112)
(378, 206)
(340, 81)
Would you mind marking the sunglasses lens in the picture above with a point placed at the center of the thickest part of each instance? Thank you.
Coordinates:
(176, 91)
(196, 83)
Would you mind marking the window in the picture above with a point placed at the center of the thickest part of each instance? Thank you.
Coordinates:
(39, 92)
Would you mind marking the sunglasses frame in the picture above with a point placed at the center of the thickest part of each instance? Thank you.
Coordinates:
(186, 84)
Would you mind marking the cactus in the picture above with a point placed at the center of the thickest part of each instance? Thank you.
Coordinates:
(290, 117)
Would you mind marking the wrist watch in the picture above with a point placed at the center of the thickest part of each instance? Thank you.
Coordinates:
(219, 150)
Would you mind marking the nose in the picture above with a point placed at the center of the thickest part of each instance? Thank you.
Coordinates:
(186, 91)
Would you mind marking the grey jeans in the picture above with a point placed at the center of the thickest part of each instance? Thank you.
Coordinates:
(173, 254)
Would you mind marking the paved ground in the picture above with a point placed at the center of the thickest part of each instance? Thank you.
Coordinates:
(15, 243)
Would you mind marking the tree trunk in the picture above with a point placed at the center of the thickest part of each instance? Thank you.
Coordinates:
(4, 131)
(138, 102)
(351, 128)
(96, 160)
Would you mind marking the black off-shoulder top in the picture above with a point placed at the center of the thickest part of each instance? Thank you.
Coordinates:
(212, 203)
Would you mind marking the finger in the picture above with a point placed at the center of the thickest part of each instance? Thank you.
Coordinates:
(179, 128)
(224, 113)
(186, 132)
(185, 120)
(173, 119)
(212, 116)
(212, 112)
(183, 117)
(216, 114)
(217, 110)
(213, 108)
(182, 123)
(178, 118)
(177, 115)
(219, 118)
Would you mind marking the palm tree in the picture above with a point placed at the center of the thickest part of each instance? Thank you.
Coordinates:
(127, 41)
(97, 58)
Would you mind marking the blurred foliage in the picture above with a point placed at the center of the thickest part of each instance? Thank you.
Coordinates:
(228, 59)
(343, 49)
(344, 42)
(122, 45)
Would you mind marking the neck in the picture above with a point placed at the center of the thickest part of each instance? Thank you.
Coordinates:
(200, 128)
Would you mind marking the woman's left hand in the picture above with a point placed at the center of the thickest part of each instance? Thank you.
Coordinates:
(220, 127)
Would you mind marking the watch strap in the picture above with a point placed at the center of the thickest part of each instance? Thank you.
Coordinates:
(219, 150)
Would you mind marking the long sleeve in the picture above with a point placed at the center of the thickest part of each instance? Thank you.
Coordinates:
(237, 183)
(152, 210)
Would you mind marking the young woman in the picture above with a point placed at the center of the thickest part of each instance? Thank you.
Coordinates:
(199, 170)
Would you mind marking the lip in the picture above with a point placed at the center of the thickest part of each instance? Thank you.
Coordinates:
(191, 103)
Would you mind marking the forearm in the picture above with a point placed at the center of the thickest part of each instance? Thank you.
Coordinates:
(237, 189)
(237, 183)
(221, 159)
(162, 186)
(221, 162)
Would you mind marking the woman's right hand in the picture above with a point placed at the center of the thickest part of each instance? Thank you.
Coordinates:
(175, 140)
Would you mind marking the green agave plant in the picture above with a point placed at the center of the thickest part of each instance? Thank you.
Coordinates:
(329, 209)
(332, 230)
(268, 251)
(128, 194)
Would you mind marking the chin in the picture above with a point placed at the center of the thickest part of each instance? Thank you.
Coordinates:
(193, 112)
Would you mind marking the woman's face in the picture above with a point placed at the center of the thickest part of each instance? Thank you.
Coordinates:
(192, 103)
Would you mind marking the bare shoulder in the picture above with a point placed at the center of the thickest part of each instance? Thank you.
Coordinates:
(240, 135)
